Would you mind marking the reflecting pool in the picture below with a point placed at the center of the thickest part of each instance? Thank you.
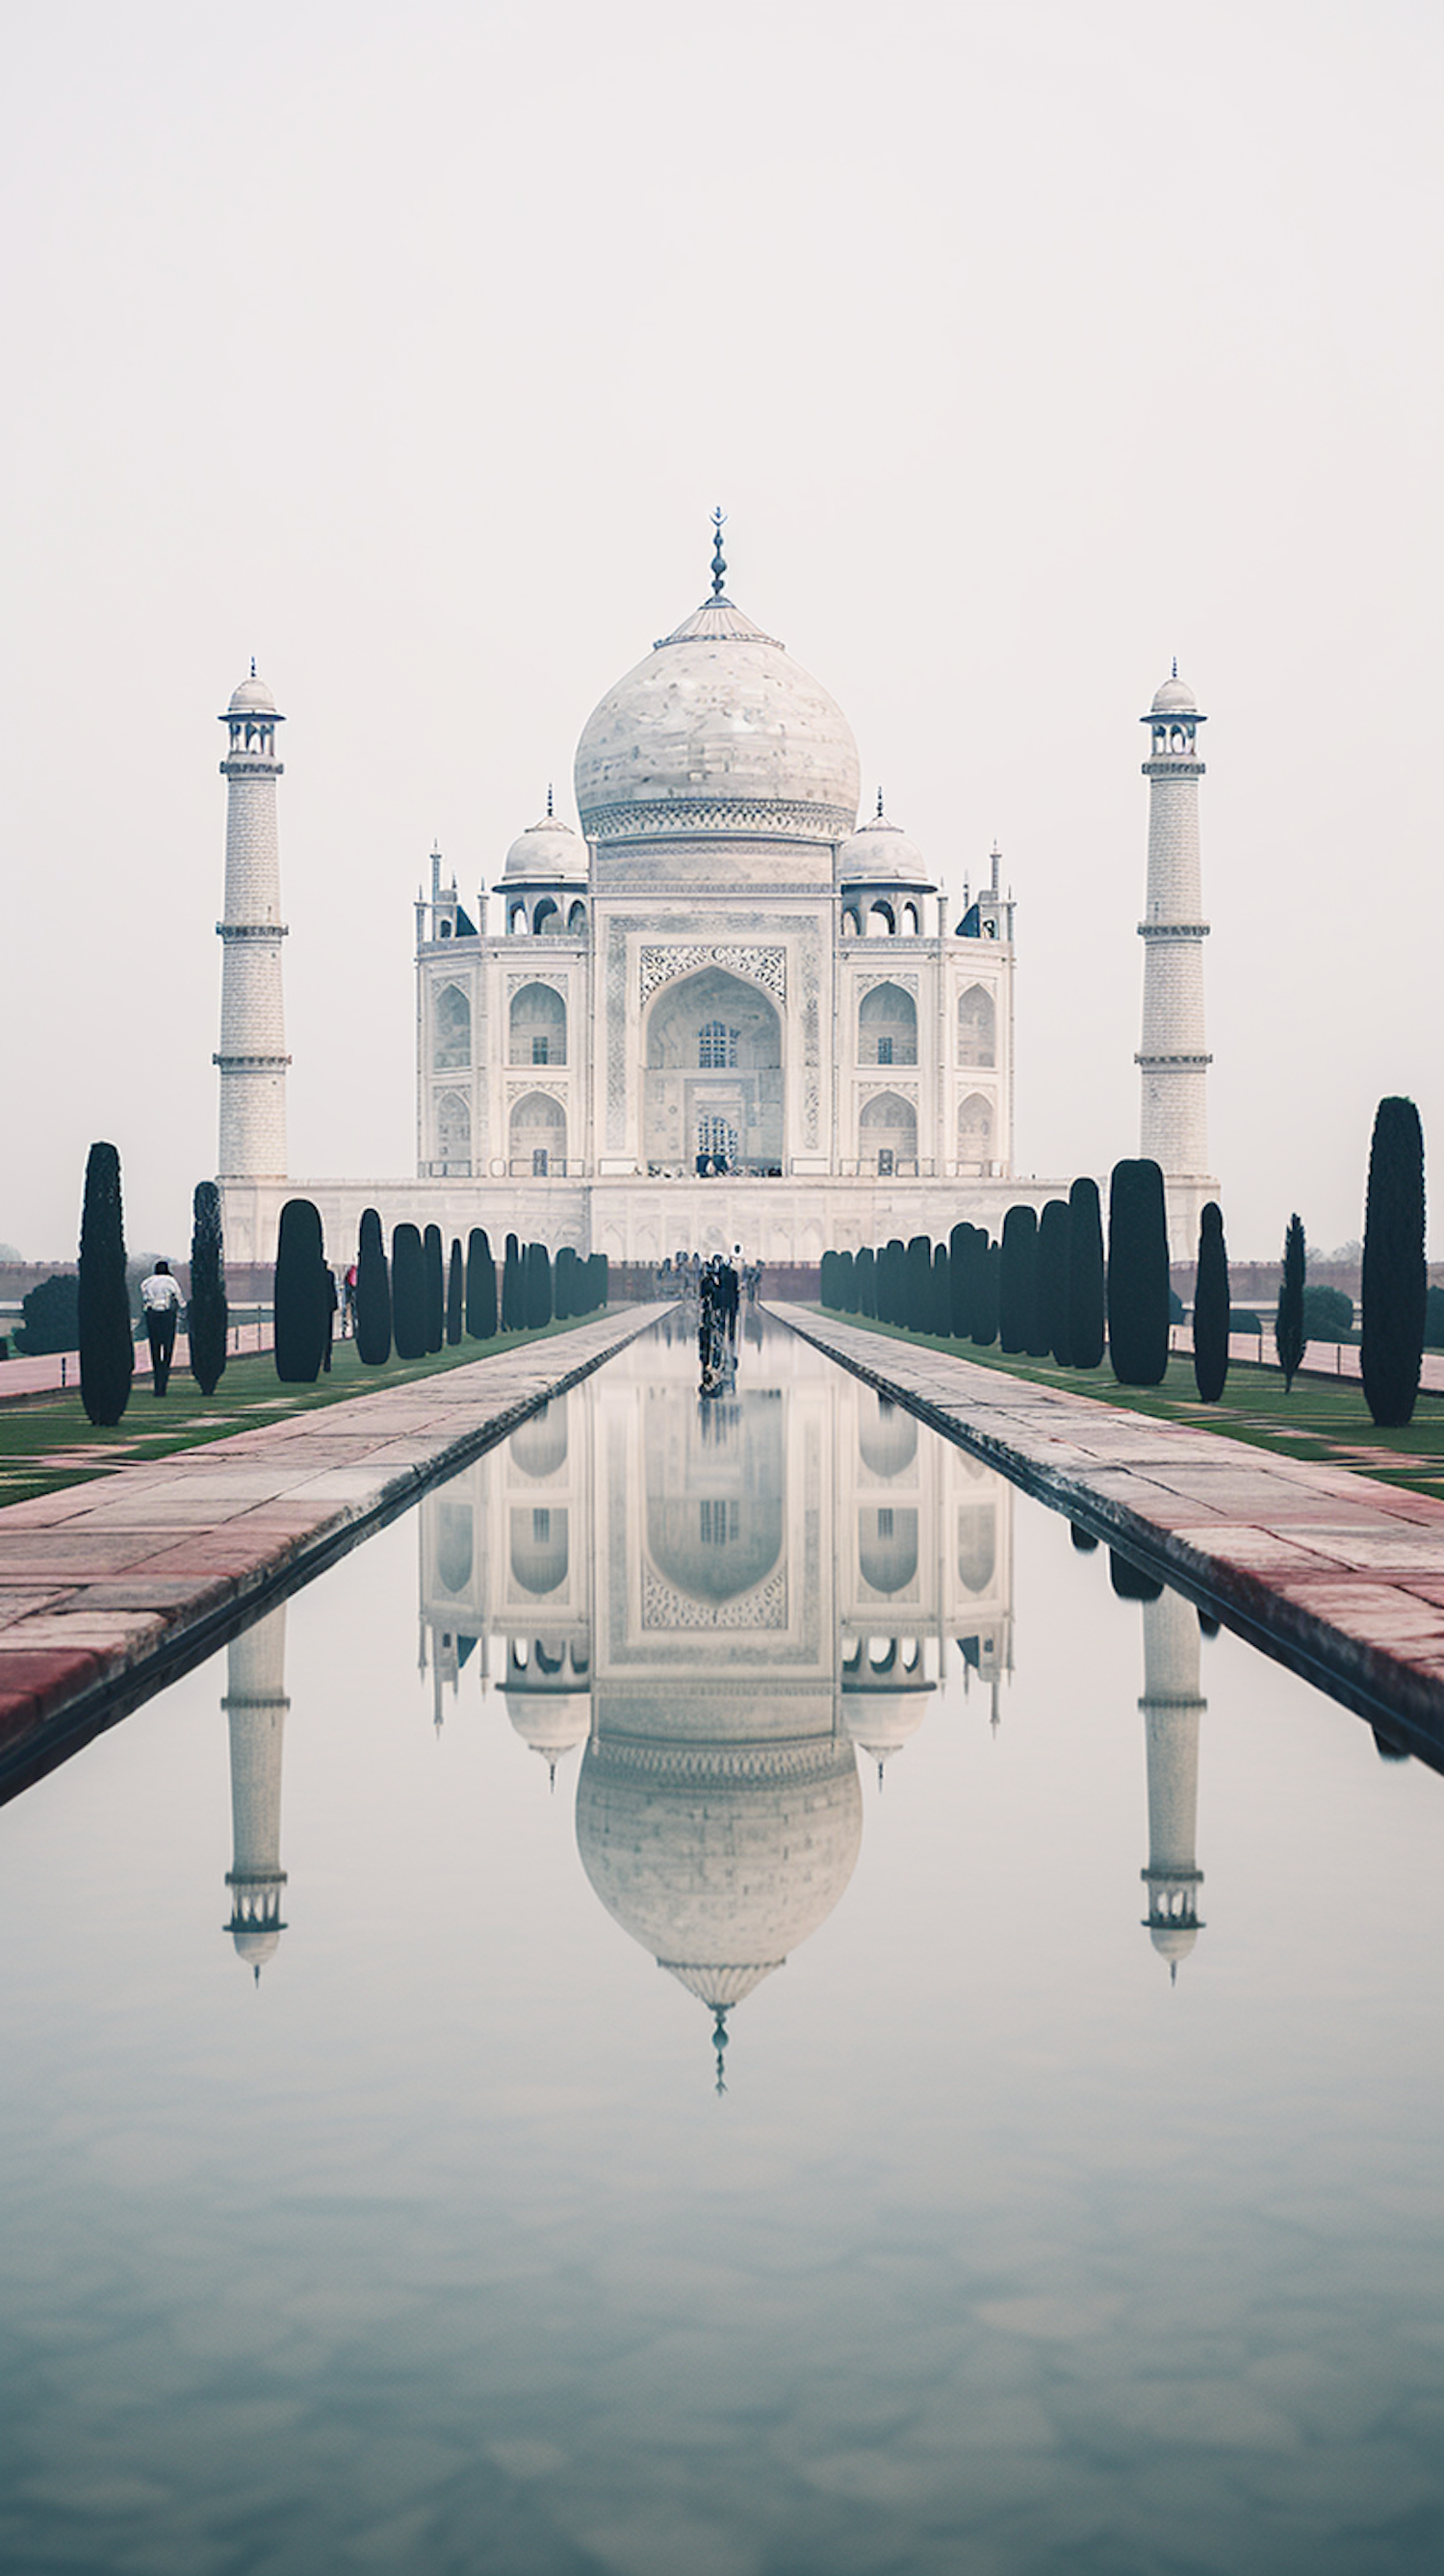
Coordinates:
(726, 1999)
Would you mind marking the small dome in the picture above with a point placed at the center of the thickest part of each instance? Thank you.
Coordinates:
(549, 848)
(252, 698)
(882, 855)
(1174, 698)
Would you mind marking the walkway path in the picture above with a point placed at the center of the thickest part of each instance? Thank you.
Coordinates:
(108, 1588)
(1338, 1574)
(56, 1369)
(1321, 1359)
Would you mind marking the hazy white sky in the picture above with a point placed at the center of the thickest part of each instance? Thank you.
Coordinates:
(1026, 346)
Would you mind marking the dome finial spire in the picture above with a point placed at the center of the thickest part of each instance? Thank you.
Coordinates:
(879, 804)
(253, 666)
(1175, 666)
(719, 564)
(549, 800)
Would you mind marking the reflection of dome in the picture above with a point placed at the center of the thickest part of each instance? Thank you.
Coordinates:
(549, 848)
(887, 1439)
(882, 1721)
(719, 1859)
(716, 722)
(551, 1726)
(539, 1447)
(257, 1947)
(1173, 1940)
(252, 698)
(1174, 698)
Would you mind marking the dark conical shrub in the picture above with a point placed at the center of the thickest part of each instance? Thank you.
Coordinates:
(455, 1293)
(1055, 1235)
(917, 1311)
(563, 1285)
(1129, 1580)
(435, 1288)
(1289, 1314)
(1086, 1293)
(208, 1315)
(601, 1282)
(892, 1286)
(302, 1301)
(960, 1256)
(941, 1323)
(985, 1294)
(1395, 1278)
(511, 1287)
(408, 1292)
(373, 1294)
(538, 1287)
(1017, 1280)
(107, 1345)
(847, 1282)
(827, 1280)
(480, 1287)
(1137, 1274)
(1210, 1307)
(864, 1271)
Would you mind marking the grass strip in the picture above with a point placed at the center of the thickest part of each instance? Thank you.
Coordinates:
(1324, 1420)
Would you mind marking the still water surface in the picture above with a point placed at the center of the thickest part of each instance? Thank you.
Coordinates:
(1024, 2157)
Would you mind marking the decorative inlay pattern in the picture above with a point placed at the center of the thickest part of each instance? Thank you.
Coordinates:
(862, 984)
(778, 819)
(664, 1607)
(767, 966)
(555, 984)
(616, 1037)
(550, 1089)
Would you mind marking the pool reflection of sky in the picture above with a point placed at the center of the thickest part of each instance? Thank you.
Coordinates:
(1063, 2207)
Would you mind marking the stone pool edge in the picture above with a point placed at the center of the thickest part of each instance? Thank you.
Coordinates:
(112, 1588)
(1295, 1557)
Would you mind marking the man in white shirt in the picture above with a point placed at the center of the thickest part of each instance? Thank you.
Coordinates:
(160, 1304)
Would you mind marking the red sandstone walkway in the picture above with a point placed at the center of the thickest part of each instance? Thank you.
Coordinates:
(108, 1587)
(1340, 1574)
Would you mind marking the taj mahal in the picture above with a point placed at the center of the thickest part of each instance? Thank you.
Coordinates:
(724, 1009)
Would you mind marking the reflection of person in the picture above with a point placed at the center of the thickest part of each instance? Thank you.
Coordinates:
(160, 1305)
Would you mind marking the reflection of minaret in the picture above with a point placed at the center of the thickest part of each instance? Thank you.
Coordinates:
(1172, 1707)
(256, 1704)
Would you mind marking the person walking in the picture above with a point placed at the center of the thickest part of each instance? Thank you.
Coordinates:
(160, 1305)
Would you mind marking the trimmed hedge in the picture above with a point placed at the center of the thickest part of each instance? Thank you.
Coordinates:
(1137, 1274)
(373, 1294)
(107, 1347)
(302, 1304)
(208, 1315)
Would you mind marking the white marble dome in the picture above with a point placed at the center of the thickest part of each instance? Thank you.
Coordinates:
(717, 731)
(880, 854)
(252, 698)
(1174, 698)
(549, 848)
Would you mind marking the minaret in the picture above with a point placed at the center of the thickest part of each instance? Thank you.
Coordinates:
(1172, 1057)
(1171, 1709)
(256, 1705)
(252, 1055)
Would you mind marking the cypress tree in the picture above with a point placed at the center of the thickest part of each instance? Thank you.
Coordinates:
(373, 1294)
(1137, 1274)
(960, 1257)
(1086, 1300)
(564, 1284)
(1289, 1314)
(1055, 1235)
(107, 1344)
(480, 1287)
(408, 1292)
(435, 1288)
(208, 1314)
(302, 1306)
(986, 1259)
(1395, 1278)
(891, 1287)
(538, 1286)
(1210, 1307)
(601, 1282)
(511, 1308)
(918, 1285)
(1017, 1280)
(1129, 1581)
(941, 1323)
(847, 1283)
(827, 1280)
(864, 1271)
(455, 1292)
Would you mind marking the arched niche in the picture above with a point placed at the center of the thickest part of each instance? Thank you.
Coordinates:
(909, 922)
(538, 1135)
(517, 923)
(888, 1132)
(887, 1026)
(546, 916)
(450, 1028)
(713, 1079)
(539, 1448)
(452, 1528)
(887, 1437)
(539, 1548)
(538, 1025)
(977, 1544)
(577, 919)
(453, 1129)
(975, 1129)
(881, 920)
(977, 1026)
(887, 1547)
(851, 923)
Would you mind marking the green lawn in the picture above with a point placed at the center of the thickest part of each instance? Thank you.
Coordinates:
(46, 1442)
(1323, 1418)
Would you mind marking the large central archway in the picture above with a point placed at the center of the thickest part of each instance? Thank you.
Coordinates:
(713, 1082)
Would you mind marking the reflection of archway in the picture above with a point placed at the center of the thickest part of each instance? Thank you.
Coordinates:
(888, 1131)
(539, 1549)
(887, 1438)
(539, 1448)
(887, 1548)
(977, 1544)
(538, 1134)
(716, 1498)
(453, 1545)
(713, 1069)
